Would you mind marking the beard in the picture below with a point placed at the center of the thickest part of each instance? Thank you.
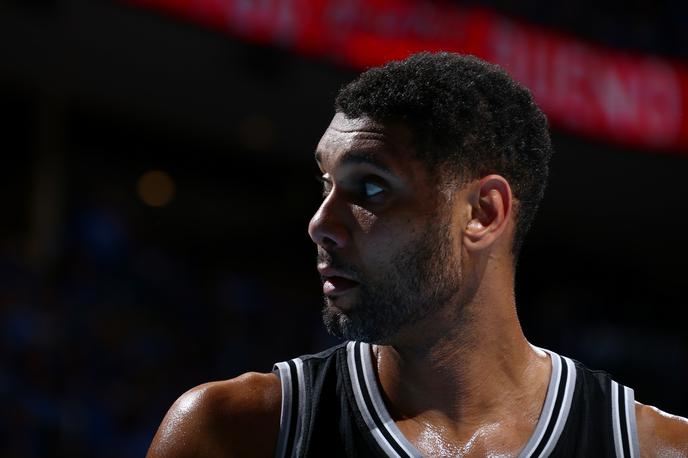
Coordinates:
(419, 279)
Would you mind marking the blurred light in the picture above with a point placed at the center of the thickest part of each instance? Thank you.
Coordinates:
(156, 188)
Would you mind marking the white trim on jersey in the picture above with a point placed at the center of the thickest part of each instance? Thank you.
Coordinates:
(556, 408)
(358, 395)
(285, 416)
(291, 373)
(570, 385)
(616, 427)
(631, 424)
(303, 403)
(623, 422)
(547, 409)
(379, 405)
(385, 432)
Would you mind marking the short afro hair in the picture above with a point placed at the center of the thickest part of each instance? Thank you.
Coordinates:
(467, 116)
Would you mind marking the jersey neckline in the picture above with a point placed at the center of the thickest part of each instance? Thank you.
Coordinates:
(393, 443)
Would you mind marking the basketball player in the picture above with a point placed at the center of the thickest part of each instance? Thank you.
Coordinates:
(432, 168)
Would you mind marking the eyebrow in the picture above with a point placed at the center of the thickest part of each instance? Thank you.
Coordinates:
(359, 157)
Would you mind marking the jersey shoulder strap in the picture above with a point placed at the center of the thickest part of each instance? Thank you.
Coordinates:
(624, 428)
(602, 419)
(297, 378)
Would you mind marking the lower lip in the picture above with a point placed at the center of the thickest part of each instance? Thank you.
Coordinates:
(334, 286)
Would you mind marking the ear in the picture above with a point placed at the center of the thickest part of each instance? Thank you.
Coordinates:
(491, 207)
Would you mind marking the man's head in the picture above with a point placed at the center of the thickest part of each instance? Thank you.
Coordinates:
(407, 139)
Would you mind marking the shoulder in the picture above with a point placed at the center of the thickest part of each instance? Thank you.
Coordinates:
(660, 433)
(237, 417)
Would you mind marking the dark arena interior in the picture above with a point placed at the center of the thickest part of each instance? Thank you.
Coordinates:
(157, 182)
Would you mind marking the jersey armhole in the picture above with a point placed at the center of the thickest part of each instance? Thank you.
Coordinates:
(624, 427)
(284, 373)
(292, 412)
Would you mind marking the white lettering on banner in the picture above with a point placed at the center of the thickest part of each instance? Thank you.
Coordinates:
(625, 97)
(642, 95)
(619, 96)
(571, 67)
(509, 49)
(664, 99)
(540, 80)
(422, 21)
(585, 88)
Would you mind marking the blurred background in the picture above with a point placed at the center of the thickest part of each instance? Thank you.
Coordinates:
(157, 181)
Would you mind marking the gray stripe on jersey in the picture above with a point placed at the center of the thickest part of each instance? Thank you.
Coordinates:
(379, 405)
(303, 404)
(631, 426)
(616, 423)
(547, 407)
(564, 409)
(358, 395)
(285, 415)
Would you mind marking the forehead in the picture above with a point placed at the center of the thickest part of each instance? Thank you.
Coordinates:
(390, 143)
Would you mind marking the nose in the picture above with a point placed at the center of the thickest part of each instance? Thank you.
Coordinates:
(327, 228)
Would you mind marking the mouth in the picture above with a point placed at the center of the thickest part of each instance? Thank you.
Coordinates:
(336, 286)
(335, 282)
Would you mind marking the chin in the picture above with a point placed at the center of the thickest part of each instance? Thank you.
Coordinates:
(346, 303)
(351, 326)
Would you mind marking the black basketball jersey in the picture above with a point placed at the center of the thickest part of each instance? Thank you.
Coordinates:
(331, 406)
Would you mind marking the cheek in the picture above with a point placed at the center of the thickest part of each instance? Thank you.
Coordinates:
(381, 238)
(376, 239)
(400, 226)
(365, 220)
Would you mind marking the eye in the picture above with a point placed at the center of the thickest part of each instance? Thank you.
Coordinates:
(371, 189)
(327, 185)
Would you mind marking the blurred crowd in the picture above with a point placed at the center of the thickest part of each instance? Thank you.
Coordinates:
(94, 351)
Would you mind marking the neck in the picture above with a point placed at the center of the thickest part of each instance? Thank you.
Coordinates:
(474, 366)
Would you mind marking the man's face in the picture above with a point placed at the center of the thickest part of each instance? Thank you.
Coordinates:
(386, 253)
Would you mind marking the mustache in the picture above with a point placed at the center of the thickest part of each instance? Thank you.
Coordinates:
(334, 261)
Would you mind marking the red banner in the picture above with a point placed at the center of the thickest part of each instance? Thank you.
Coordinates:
(634, 100)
